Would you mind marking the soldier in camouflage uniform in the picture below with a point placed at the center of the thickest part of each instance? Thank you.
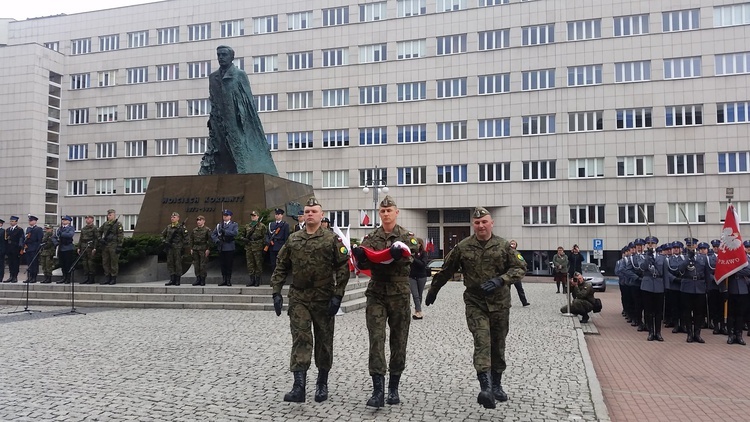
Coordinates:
(319, 265)
(255, 239)
(388, 302)
(173, 238)
(47, 256)
(200, 244)
(582, 293)
(490, 266)
(110, 245)
(89, 233)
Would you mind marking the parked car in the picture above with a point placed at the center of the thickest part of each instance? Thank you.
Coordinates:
(436, 264)
(593, 275)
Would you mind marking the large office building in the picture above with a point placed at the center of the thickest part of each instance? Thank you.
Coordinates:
(571, 120)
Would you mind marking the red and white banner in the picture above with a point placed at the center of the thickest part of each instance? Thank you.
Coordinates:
(731, 257)
(364, 218)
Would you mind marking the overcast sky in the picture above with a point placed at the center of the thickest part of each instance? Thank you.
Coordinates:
(20, 9)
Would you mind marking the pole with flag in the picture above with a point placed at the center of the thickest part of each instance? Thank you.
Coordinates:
(731, 257)
(364, 218)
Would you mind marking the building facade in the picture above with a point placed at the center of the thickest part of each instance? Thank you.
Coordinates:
(569, 121)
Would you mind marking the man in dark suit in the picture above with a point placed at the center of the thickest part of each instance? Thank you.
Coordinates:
(3, 243)
(14, 237)
(278, 232)
(32, 243)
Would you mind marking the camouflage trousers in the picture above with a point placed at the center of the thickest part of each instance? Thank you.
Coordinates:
(304, 317)
(174, 261)
(48, 264)
(578, 307)
(489, 329)
(254, 256)
(89, 267)
(199, 263)
(110, 261)
(394, 310)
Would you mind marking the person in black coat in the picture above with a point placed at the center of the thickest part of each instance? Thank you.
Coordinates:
(574, 262)
(418, 278)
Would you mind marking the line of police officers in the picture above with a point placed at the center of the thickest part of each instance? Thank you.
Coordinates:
(675, 283)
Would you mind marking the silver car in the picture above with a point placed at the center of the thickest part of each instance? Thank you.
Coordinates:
(593, 275)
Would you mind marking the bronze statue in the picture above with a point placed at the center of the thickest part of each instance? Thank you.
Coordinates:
(237, 142)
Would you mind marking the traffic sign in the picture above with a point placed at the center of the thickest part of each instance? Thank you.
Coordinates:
(598, 254)
(598, 244)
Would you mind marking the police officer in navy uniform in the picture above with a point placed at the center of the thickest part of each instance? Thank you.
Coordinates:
(716, 294)
(3, 247)
(223, 236)
(672, 289)
(32, 244)
(65, 248)
(14, 237)
(635, 278)
(739, 292)
(693, 273)
(300, 222)
(652, 288)
(621, 280)
(278, 232)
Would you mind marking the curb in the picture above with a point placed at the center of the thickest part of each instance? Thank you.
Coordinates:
(597, 397)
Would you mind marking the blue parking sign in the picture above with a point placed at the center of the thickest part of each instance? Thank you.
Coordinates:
(598, 244)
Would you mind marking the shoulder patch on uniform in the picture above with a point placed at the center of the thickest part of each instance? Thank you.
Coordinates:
(519, 257)
(343, 250)
(413, 241)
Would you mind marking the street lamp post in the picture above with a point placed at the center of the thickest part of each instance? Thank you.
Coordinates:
(378, 185)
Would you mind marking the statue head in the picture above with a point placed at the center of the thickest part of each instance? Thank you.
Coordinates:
(225, 55)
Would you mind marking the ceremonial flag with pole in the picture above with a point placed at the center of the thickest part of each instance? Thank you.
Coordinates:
(731, 257)
(364, 218)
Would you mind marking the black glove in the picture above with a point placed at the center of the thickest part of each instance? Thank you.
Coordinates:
(691, 254)
(490, 285)
(650, 252)
(359, 254)
(278, 301)
(396, 252)
(430, 298)
(334, 305)
(118, 250)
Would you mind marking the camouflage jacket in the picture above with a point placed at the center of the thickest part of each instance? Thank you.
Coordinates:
(112, 234)
(255, 236)
(49, 246)
(89, 233)
(319, 264)
(200, 239)
(392, 278)
(584, 291)
(175, 235)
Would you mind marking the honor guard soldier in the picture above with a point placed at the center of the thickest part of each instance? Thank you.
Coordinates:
(621, 279)
(490, 266)
(223, 236)
(3, 247)
(300, 225)
(672, 289)
(88, 242)
(200, 243)
(14, 238)
(693, 273)
(65, 247)
(111, 246)
(652, 288)
(319, 264)
(716, 294)
(173, 237)
(278, 232)
(739, 293)
(32, 243)
(255, 238)
(47, 256)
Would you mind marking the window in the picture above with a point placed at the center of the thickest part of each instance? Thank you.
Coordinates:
(80, 81)
(586, 121)
(233, 28)
(543, 215)
(300, 177)
(105, 187)
(339, 218)
(335, 57)
(273, 141)
(78, 116)
(333, 138)
(409, 134)
(129, 222)
(373, 136)
(138, 39)
(78, 152)
(412, 91)
(586, 214)
(634, 213)
(168, 72)
(335, 179)
(633, 71)
(539, 125)
(635, 118)
(450, 5)
(267, 102)
(494, 172)
(166, 147)
(264, 64)
(536, 35)
(106, 114)
(106, 150)
(538, 79)
(447, 88)
(451, 131)
(299, 140)
(732, 14)
(266, 24)
(299, 100)
(494, 84)
(681, 20)
(493, 40)
(494, 128)
(198, 145)
(107, 78)
(137, 75)
(412, 176)
(483, 3)
(372, 53)
(200, 107)
(732, 64)
(336, 16)
(80, 46)
(77, 187)
(136, 111)
(135, 185)
(300, 20)
(742, 208)
(135, 148)
(635, 166)
(451, 174)
(687, 67)
(411, 49)
(687, 115)
(372, 11)
(199, 32)
(451, 44)
(109, 42)
(199, 69)
(168, 35)
(631, 25)
(53, 45)
(585, 75)
(335, 97)
(733, 112)
(539, 170)
(685, 164)
(408, 8)
(582, 168)
(372, 94)
(302, 60)
(167, 109)
(733, 162)
(585, 30)
(694, 211)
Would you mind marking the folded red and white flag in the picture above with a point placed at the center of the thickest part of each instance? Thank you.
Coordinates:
(384, 256)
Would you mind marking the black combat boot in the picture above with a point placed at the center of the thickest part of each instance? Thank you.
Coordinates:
(32, 279)
(393, 397)
(717, 328)
(223, 281)
(584, 317)
(203, 280)
(657, 329)
(730, 336)
(105, 281)
(697, 334)
(486, 398)
(297, 394)
(321, 386)
(250, 282)
(229, 280)
(641, 325)
(378, 391)
(497, 386)
(651, 330)
(171, 281)
(112, 280)
(738, 337)
(47, 279)
(197, 281)
(177, 280)
(257, 281)
(689, 334)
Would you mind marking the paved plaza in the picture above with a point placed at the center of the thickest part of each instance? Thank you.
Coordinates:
(215, 365)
